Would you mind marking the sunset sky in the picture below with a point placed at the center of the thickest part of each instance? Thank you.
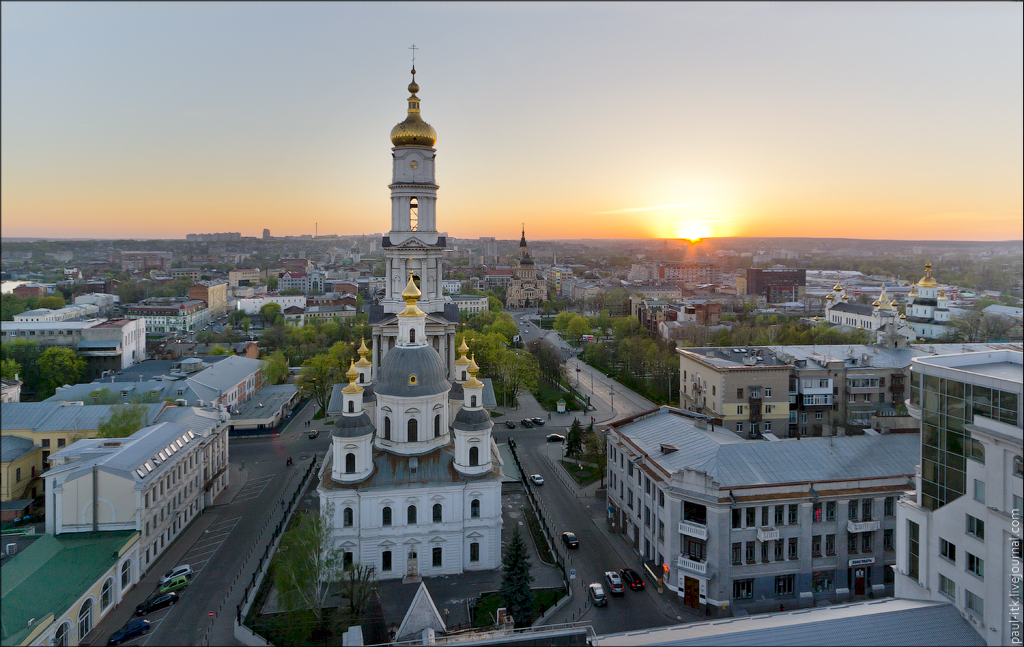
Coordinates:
(603, 120)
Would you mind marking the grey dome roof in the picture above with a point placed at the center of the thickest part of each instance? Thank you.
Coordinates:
(353, 426)
(456, 393)
(526, 260)
(403, 361)
(472, 420)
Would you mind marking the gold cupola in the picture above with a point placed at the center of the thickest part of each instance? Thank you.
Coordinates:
(411, 294)
(472, 382)
(830, 297)
(413, 131)
(363, 352)
(352, 374)
(837, 287)
(928, 281)
(913, 290)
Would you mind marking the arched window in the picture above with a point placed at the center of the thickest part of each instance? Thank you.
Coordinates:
(107, 594)
(474, 456)
(351, 406)
(463, 376)
(412, 335)
(387, 428)
(61, 638)
(126, 574)
(437, 513)
(411, 515)
(472, 400)
(347, 517)
(413, 430)
(437, 426)
(414, 214)
(85, 619)
(386, 517)
(361, 378)
(474, 509)
(350, 463)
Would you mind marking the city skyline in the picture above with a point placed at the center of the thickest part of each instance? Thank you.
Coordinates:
(613, 121)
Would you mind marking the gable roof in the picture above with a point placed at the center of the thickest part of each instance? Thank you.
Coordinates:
(60, 416)
(422, 615)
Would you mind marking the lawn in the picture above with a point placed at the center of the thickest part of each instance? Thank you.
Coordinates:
(583, 475)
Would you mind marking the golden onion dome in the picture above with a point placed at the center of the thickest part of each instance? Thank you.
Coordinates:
(903, 316)
(928, 281)
(413, 131)
(363, 352)
(472, 382)
(942, 293)
(463, 349)
(411, 294)
(876, 303)
(352, 374)
(838, 288)
(830, 297)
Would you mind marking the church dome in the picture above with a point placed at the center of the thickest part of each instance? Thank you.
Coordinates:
(526, 260)
(353, 426)
(928, 281)
(413, 131)
(411, 371)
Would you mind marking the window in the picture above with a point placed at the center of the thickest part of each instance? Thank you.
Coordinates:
(410, 515)
(737, 518)
(387, 428)
(778, 550)
(793, 514)
(474, 552)
(830, 545)
(739, 426)
(60, 639)
(794, 548)
(106, 595)
(764, 551)
(976, 565)
(779, 512)
(126, 574)
(818, 415)
(975, 527)
(661, 498)
(977, 451)
(85, 619)
(852, 510)
(661, 530)
(816, 513)
(737, 549)
(413, 430)
(437, 422)
(887, 539)
(647, 516)
(784, 585)
(974, 604)
(474, 456)
(767, 392)
(803, 417)
(46, 442)
(865, 509)
(913, 550)
(947, 550)
(767, 425)
(435, 557)
(816, 546)
(739, 409)
(386, 517)
(890, 506)
(474, 509)
(750, 552)
(347, 517)
(742, 589)
(851, 542)
(385, 561)
(437, 513)
(979, 490)
(947, 587)
(865, 542)
(830, 511)
(764, 516)
(739, 394)
(350, 463)
(1018, 466)
(751, 517)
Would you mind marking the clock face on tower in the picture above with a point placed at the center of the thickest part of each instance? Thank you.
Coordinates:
(413, 164)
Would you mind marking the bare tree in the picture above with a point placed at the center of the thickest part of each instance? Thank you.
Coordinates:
(307, 563)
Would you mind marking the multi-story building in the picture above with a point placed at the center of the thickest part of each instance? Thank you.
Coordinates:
(777, 285)
(664, 292)
(142, 261)
(72, 312)
(252, 305)
(214, 293)
(555, 277)
(959, 535)
(154, 482)
(170, 315)
(695, 271)
(471, 303)
(296, 264)
(244, 276)
(191, 273)
(732, 524)
(99, 299)
(20, 465)
(10, 389)
(452, 286)
(106, 345)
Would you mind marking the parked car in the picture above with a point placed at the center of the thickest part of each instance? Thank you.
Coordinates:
(537, 479)
(156, 602)
(570, 541)
(631, 579)
(178, 583)
(538, 421)
(526, 422)
(132, 629)
(183, 569)
(556, 438)
(511, 424)
(614, 583)
(596, 593)
(313, 433)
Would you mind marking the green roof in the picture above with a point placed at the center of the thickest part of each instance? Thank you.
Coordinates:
(52, 573)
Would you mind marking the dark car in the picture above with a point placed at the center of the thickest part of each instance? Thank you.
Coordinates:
(156, 602)
(555, 438)
(511, 424)
(632, 579)
(132, 629)
(538, 421)
(569, 539)
(526, 422)
(313, 433)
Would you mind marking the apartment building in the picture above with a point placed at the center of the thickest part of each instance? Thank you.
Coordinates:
(777, 285)
(191, 273)
(214, 293)
(170, 315)
(733, 524)
(67, 313)
(243, 277)
(142, 261)
(696, 271)
(960, 528)
(105, 344)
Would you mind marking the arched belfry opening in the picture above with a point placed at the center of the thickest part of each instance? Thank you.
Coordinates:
(414, 214)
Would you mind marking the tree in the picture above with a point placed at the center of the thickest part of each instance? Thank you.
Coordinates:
(53, 302)
(516, 371)
(272, 283)
(596, 451)
(574, 440)
(578, 326)
(10, 369)
(291, 292)
(270, 312)
(318, 376)
(59, 366)
(549, 361)
(357, 584)
(219, 350)
(123, 420)
(307, 563)
(515, 590)
(246, 324)
(275, 368)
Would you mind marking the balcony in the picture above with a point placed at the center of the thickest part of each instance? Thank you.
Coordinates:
(685, 563)
(913, 410)
(767, 533)
(693, 529)
(862, 526)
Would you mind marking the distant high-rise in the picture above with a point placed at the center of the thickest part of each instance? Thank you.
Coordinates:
(266, 234)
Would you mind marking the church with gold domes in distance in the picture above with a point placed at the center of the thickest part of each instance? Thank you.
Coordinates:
(926, 314)
(413, 476)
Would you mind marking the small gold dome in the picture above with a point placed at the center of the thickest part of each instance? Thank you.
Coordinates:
(837, 288)
(928, 281)
(352, 374)
(363, 352)
(830, 297)
(903, 316)
(413, 131)
(876, 303)
(463, 349)
(942, 293)
(411, 294)
(472, 382)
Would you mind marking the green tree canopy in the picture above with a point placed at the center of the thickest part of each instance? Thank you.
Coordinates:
(53, 302)
(10, 369)
(275, 368)
(219, 350)
(515, 589)
(574, 440)
(123, 420)
(59, 366)
(270, 312)
(318, 376)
